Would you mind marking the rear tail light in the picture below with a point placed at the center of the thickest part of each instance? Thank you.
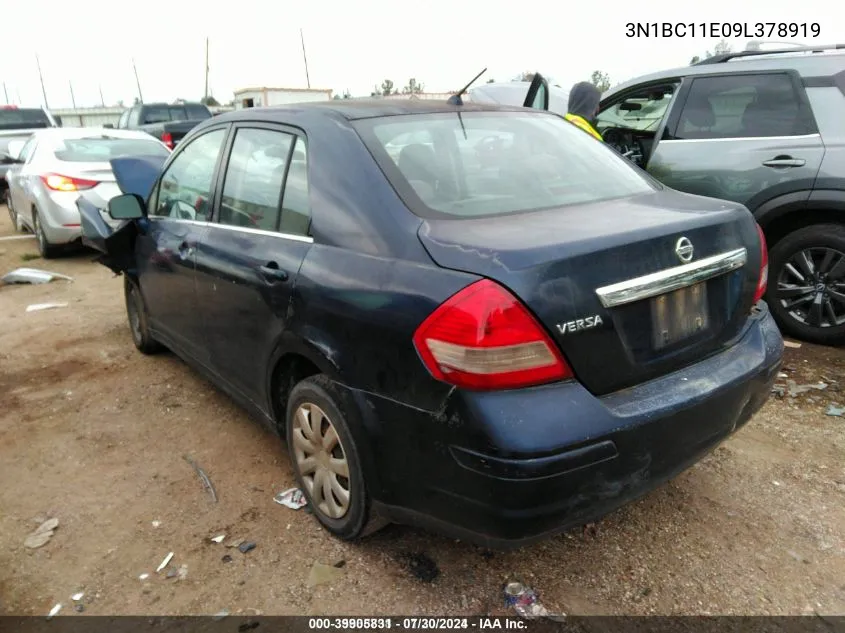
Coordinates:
(763, 279)
(167, 139)
(484, 338)
(57, 182)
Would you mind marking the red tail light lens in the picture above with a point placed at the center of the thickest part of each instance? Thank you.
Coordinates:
(483, 338)
(167, 139)
(57, 182)
(763, 280)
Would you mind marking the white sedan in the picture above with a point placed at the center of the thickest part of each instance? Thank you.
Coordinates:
(54, 166)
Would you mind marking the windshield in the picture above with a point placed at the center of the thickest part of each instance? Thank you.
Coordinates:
(23, 119)
(103, 149)
(639, 112)
(490, 163)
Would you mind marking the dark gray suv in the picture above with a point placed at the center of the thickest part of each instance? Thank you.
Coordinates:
(763, 128)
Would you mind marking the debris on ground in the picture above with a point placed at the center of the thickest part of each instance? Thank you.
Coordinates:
(792, 344)
(524, 600)
(31, 276)
(171, 573)
(165, 562)
(143, 577)
(235, 543)
(421, 566)
(156, 523)
(78, 608)
(42, 534)
(835, 411)
(77, 596)
(206, 482)
(54, 611)
(793, 389)
(340, 564)
(590, 529)
(226, 558)
(183, 572)
(37, 307)
(246, 546)
(292, 498)
(321, 574)
(220, 615)
(218, 539)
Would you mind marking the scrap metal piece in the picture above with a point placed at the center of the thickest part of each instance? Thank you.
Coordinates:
(206, 482)
(164, 563)
(32, 276)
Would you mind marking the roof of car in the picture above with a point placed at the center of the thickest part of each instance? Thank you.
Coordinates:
(806, 64)
(354, 109)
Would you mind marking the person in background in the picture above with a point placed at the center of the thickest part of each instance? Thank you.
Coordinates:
(583, 107)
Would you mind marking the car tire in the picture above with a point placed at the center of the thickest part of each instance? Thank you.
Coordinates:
(348, 518)
(136, 312)
(45, 247)
(814, 242)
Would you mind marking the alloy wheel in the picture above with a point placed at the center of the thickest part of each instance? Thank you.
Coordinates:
(321, 461)
(811, 287)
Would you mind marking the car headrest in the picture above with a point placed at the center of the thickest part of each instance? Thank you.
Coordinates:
(699, 111)
(417, 162)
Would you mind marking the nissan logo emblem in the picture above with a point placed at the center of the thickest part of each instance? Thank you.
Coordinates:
(684, 250)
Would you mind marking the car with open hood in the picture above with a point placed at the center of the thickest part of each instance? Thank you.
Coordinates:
(470, 318)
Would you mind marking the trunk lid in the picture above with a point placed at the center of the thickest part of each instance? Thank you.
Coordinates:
(555, 261)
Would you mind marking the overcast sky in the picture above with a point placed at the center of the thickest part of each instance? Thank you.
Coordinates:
(350, 45)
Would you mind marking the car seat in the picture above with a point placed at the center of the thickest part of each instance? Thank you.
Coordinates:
(417, 163)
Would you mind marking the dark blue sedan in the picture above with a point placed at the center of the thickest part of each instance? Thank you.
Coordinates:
(471, 318)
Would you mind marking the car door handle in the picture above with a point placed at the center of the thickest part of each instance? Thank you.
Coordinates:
(785, 161)
(185, 250)
(272, 273)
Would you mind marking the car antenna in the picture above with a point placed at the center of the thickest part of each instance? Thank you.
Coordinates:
(455, 99)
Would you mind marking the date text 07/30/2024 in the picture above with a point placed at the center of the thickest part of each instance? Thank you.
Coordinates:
(765, 30)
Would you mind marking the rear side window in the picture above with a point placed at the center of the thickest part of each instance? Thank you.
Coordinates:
(254, 176)
(296, 207)
(197, 112)
(23, 119)
(185, 188)
(103, 149)
(489, 163)
(744, 106)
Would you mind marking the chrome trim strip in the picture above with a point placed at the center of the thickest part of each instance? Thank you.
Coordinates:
(244, 229)
(741, 138)
(671, 279)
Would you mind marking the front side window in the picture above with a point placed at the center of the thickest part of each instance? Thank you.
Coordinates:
(490, 163)
(254, 176)
(641, 111)
(186, 185)
(743, 106)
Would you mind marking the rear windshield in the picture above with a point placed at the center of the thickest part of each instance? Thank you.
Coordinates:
(492, 163)
(162, 114)
(23, 119)
(103, 149)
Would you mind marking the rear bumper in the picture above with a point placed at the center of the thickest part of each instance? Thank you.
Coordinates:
(503, 469)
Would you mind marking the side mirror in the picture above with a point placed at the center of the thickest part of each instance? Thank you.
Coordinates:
(128, 206)
(13, 149)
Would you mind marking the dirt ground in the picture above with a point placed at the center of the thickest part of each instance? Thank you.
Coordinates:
(94, 434)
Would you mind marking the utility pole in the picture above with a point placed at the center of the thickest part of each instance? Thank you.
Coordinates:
(138, 82)
(5, 92)
(304, 58)
(206, 69)
(41, 77)
(72, 98)
(102, 101)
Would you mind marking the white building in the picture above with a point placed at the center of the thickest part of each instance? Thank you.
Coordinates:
(263, 97)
